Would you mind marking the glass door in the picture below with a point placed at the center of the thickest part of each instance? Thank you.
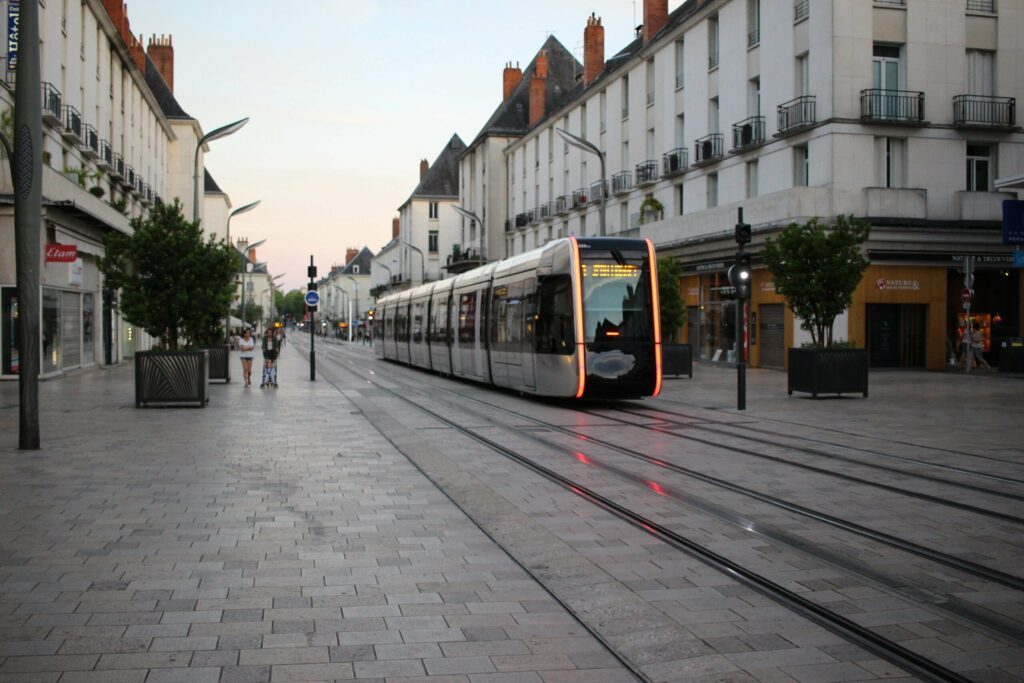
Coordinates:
(885, 76)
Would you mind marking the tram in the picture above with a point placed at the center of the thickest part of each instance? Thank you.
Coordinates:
(576, 318)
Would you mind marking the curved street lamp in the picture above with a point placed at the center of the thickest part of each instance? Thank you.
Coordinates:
(587, 146)
(390, 275)
(221, 132)
(423, 263)
(227, 238)
(476, 219)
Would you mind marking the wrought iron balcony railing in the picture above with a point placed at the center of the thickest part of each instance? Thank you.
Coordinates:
(747, 133)
(508, 225)
(90, 140)
(598, 191)
(622, 182)
(707, 149)
(903, 106)
(675, 162)
(797, 113)
(579, 198)
(562, 204)
(801, 10)
(988, 6)
(53, 112)
(754, 36)
(106, 154)
(522, 220)
(984, 111)
(647, 172)
(72, 123)
(117, 166)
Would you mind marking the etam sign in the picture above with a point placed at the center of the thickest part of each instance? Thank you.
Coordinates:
(61, 253)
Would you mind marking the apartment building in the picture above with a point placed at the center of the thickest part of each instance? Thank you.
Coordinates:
(901, 112)
(115, 143)
(345, 292)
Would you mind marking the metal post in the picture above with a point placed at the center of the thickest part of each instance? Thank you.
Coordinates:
(741, 342)
(28, 218)
(312, 328)
(969, 285)
(356, 283)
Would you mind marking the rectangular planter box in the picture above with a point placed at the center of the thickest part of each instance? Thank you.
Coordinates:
(676, 360)
(828, 371)
(220, 367)
(172, 379)
(1011, 355)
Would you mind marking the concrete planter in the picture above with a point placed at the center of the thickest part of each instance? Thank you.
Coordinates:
(676, 360)
(220, 366)
(172, 379)
(828, 371)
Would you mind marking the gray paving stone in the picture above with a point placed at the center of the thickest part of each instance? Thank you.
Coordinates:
(189, 675)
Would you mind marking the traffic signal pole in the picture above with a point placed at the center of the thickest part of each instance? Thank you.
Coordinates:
(739, 278)
(312, 322)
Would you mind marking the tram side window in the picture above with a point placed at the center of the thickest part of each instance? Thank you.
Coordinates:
(499, 318)
(402, 324)
(529, 312)
(554, 330)
(467, 318)
(417, 322)
(389, 324)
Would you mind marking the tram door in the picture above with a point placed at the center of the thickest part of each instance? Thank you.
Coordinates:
(529, 310)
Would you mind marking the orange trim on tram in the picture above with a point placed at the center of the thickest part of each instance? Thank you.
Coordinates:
(577, 296)
(656, 313)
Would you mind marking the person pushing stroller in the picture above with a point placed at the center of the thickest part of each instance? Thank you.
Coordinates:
(271, 349)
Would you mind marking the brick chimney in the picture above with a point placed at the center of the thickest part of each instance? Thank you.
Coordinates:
(396, 226)
(593, 49)
(161, 51)
(251, 253)
(136, 51)
(539, 88)
(512, 77)
(350, 254)
(424, 169)
(655, 17)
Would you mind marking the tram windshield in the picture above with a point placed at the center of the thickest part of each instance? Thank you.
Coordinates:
(616, 295)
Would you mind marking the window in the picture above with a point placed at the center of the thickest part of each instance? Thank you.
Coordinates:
(355, 270)
(801, 174)
(890, 154)
(467, 314)
(431, 242)
(555, 333)
(713, 115)
(624, 216)
(712, 190)
(551, 145)
(680, 64)
(754, 96)
(681, 130)
(650, 143)
(753, 22)
(751, 179)
(603, 104)
(625, 154)
(680, 206)
(980, 72)
(583, 121)
(803, 76)
(885, 67)
(625, 96)
(432, 210)
(650, 81)
(713, 43)
(978, 168)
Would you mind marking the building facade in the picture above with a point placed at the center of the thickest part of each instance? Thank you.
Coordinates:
(345, 292)
(898, 112)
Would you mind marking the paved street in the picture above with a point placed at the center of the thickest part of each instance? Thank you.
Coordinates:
(294, 535)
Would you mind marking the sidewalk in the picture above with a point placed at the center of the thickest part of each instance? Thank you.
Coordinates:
(273, 536)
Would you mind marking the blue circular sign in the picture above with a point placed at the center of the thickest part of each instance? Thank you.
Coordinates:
(312, 297)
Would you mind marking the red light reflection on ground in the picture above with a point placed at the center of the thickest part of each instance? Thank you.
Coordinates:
(656, 487)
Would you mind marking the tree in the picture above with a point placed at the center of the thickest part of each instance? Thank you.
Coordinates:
(253, 312)
(293, 304)
(173, 284)
(673, 312)
(817, 269)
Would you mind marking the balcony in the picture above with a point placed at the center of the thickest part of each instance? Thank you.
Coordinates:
(461, 261)
(508, 225)
(982, 111)
(622, 182)
(713, 60)
(754, 37)
(747, 134)
(117, 167)
(533, 215)
(986, 6)
(90, 141)
(547, 211)
(892, 106)
(579, 198)
(796, 115)
(646, 172)
(106, 159)
(674, 162)
(522, 220)
(562, 204)
(801, 10)
(896, 202)
(72, 131)
(598, 191)
(708, 149)
(129, 178)
(147, 194)
(53, 113)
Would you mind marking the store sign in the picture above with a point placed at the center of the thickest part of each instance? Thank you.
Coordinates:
(1018, 259)
(768, 287)
(13, 13)
(75, 269)
(61, 253)
(906, 285)
(1013, 221)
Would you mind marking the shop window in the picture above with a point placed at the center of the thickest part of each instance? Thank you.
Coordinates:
(51, 330)
(9, 329)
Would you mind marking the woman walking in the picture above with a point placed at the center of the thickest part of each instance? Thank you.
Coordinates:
(271, 348)
(247, 352)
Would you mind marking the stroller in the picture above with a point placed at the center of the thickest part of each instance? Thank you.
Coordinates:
(271, 348)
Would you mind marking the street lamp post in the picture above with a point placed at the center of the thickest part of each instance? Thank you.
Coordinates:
(221, 132)
(227, 237)
(423, 264)
(473, 217)
(587, 146)
(356, 283)
(250, 266)
(390, 276)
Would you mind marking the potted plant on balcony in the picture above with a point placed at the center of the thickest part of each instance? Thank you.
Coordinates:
(817, 268)
(651, 210)
(677, 359)
(176, 287)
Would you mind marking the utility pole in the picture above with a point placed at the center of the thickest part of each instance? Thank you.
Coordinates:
(739, 278)
(28, 217)
(312, 319)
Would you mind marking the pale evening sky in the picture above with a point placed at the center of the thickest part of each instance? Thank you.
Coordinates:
(346, 97)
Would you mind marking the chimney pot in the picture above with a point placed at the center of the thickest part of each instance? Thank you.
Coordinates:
(539, 88)
(161, 51)
(350, 254)
(593, 49)
(511, 78)
(396, 225)
(424, 168)
(655, 18)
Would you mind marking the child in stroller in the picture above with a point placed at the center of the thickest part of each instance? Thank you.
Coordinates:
(271, 349)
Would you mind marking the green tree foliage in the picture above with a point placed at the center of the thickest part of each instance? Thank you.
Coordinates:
(673, 312)
(173, 284)
(253, 312)
(817, 269)
(292, 303)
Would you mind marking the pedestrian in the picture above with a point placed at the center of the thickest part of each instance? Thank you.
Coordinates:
(247, 352)
(978, 345)
(271, 348)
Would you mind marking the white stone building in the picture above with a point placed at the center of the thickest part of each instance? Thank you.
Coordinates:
(897, 111)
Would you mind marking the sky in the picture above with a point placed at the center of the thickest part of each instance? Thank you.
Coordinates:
(345, 98)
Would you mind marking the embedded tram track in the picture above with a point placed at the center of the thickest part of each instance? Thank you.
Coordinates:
(836, 623)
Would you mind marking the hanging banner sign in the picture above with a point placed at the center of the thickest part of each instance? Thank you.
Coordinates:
(13, 12)
(1013, 221)
(61, 253)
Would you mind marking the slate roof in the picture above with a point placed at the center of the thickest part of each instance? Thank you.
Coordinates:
(512, 117)
(244, 259)
(363, 259)
(210, 185)
(442, 179)
(162, 93)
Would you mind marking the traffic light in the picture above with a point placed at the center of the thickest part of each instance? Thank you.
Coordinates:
(742, 233)
(739, 276)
